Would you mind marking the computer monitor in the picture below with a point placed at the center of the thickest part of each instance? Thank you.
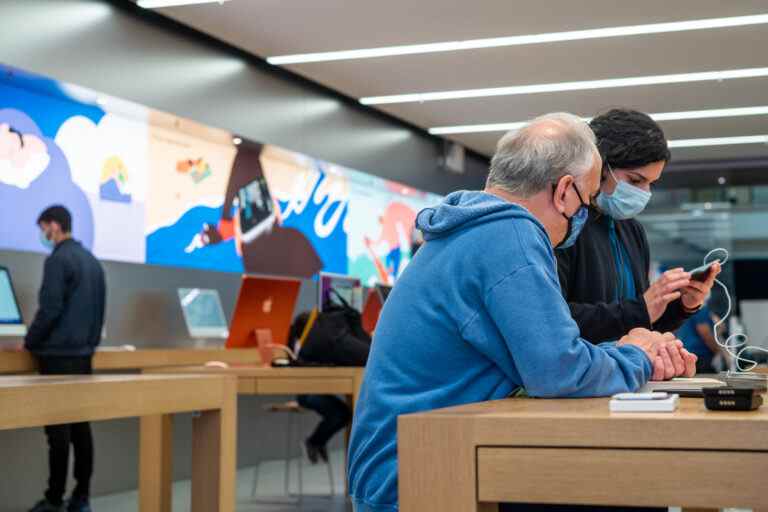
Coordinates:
(348, 287)
(754, 317)
(263, 312)
(203, 313)
(383, 291)
(11, 321)
(374, 303)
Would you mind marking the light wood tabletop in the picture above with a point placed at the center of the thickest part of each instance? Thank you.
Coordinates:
(32, 401)
(258, 380)
(251, 380)
(114, 358)
(578, 452)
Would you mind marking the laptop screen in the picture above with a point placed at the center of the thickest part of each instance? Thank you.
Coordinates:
(203, 313)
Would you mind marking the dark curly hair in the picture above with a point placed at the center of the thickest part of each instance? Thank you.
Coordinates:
(628, 139)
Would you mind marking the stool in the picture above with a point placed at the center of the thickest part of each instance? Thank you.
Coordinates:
(292, 438)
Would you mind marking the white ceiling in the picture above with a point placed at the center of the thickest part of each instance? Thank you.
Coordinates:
(278, 27)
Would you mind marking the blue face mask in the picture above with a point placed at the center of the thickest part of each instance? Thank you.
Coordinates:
(576, 223)
(626, 202)
(48, 244)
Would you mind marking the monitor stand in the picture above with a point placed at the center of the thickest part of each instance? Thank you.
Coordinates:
(208, 343)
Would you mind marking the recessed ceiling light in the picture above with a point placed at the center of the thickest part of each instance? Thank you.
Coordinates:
(567, 86)
(718, 141)
(473, 44)
(664, 116)
(721, 180)
(157, 4)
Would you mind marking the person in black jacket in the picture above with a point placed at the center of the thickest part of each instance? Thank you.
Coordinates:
(604, 276)
(63, 336)
(336, 338)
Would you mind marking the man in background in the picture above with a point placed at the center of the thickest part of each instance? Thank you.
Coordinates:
(63, 336)
(698, 336)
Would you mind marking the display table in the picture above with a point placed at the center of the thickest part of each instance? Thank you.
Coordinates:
(577, 452)
(35, 401)
(110, 358)
(156, 432)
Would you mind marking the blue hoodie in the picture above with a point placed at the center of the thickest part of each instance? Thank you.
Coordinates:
(477, 314)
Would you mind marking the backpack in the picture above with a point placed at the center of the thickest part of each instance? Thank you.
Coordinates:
(337, 337)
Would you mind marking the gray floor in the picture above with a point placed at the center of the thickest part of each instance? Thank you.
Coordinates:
(271, 495)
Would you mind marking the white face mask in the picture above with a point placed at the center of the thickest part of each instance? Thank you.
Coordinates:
(626, 202)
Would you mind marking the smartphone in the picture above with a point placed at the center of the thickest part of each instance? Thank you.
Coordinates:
(701, 273)
(257, 212)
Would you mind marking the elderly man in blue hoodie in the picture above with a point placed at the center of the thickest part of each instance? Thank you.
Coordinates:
(478, 313)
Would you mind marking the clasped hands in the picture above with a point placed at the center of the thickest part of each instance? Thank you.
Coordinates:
(667, 354)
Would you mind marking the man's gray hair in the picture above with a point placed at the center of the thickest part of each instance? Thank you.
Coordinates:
(540, 153)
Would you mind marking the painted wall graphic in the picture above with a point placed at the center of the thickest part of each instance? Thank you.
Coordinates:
(148, 187)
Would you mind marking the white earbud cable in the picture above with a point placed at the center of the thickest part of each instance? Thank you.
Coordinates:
(736, 344)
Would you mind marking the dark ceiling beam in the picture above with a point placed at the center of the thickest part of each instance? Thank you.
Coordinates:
(706, 173)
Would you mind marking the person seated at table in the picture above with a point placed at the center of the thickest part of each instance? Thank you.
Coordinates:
(698, 337)
(336, 338)
(478, 313)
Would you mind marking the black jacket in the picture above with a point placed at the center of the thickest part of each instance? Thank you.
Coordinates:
(588, 278)
(72, 300)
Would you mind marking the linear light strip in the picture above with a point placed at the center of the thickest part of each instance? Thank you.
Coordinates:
(718, 141)
(664, 116)
(567, 86)
(495, 42)
(157, 4)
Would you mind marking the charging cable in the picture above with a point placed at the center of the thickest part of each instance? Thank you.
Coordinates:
(736, 344)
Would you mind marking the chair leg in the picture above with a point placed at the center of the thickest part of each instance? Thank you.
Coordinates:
(330, 477)
(255, 486)
(297, 426)
(288, 436)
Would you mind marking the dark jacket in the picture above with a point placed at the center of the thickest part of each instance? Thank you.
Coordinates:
(589, 281)
(72, 300)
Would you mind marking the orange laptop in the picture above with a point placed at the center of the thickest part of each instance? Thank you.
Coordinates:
(263, 312)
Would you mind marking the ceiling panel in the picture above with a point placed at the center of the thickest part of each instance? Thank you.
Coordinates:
(275, 27)
(652, 98)
(279, 27)
(708, 50)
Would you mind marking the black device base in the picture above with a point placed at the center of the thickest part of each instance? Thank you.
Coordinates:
(732, 399)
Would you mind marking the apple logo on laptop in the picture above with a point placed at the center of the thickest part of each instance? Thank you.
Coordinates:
(266, 307)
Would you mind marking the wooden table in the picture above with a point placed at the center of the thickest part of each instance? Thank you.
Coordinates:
(33, 401)
(110, 358)
(472, 457)
(156, 431)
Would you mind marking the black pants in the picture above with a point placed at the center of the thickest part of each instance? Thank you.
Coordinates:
(334, 411)
(61, 436)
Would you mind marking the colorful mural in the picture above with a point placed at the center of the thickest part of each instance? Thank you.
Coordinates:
(148, 187)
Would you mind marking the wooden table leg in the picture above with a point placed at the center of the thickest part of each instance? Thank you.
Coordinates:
(155, 463)
(214, 456)
(437, 467)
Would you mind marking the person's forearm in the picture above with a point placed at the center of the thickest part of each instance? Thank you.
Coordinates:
(41, 328)
(674, 317)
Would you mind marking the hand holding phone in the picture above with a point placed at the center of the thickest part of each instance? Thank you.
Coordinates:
(702, 273)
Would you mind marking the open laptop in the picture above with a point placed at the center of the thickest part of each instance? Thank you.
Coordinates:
(203, 313)
(11, 321)
(348, 287)
(263, 313)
